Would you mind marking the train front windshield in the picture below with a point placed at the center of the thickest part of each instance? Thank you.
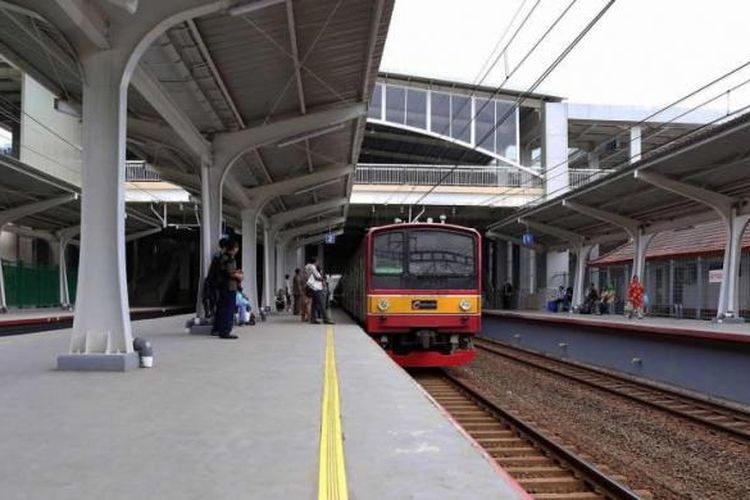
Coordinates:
(424, 260)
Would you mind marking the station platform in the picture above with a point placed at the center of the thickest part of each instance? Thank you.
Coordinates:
(700, 357)
(228, 419)
(689, 328)
(18, 321)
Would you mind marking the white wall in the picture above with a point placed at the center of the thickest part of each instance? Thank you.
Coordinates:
(8, 246)
(50, 140)
(555, 148)
(557, 269)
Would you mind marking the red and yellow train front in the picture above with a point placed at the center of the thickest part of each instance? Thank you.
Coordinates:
(424, 293)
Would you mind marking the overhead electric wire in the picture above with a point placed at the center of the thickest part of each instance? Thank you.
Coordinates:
(498, 198)
(524, 95)
(477, 86)
(478, 79)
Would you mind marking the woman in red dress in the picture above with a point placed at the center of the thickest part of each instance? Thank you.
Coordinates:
(635, 297)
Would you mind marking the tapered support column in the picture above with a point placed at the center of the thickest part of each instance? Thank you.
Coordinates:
(281, 264)
(635, 144)
(582, 257)
(640, 246)
(63, 270)
(300, 257)
(3, 300)
(101, 338)
(249, 255)
(210, 223)
(555, 148)
(268, 271)
(729, 295)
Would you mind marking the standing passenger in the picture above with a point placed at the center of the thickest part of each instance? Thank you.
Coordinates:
(229, 278)
(317, 286)
(507, 295)
(635, 298)
(306, 291)
(297, 290)
(287, 293)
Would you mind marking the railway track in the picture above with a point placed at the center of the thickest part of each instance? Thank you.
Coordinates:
(712, 415)
(543, 468)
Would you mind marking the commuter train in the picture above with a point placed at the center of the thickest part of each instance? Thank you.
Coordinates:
(416, 289)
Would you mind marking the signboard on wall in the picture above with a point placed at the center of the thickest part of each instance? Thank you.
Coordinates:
(715, 275)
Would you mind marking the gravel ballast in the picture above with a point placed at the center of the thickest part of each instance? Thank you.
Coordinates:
(667, 455)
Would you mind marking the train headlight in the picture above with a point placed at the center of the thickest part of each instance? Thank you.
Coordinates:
(383, 305)
(465, 305)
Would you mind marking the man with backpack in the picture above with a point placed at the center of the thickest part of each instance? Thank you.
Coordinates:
(223, 282)
(210, 292)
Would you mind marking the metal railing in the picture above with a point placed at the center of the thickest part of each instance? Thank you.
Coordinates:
(582, 176)
(138, 171)
(445, 175)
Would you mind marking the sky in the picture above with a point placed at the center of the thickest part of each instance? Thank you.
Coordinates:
(642, 52)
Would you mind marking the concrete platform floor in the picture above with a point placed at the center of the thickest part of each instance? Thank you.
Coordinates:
(733, 332)
(225, 419)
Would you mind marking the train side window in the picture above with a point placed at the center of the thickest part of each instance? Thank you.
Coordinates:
(388, 254)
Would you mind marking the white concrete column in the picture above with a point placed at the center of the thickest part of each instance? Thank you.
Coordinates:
(558, 268)
(635, 144)
(509, 262)
(268, 248)
(3, 300)
(206, 236)
(532, 271)
(700, 285)
(555, 148)
(592, 158)
(102, 319)
(582, 256)
(640, 247)
(249, 257)
(281, 264)
(211, 214)
(62, 245)
(300, 252)
(729, 293)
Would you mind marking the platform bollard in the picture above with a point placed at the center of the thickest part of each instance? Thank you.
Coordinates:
(145, 352)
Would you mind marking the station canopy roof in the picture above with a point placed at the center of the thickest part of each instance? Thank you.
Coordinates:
(227, 73)
(23, 186)
(715, 158)
(707, 239)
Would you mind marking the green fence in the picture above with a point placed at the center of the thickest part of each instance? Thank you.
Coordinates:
(34, 285)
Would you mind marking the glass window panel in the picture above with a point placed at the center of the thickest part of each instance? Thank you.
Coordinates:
(395, 104)
(506, 131)
(416, 108)
(440, 113)
(376, 102)
(461, 109)
(485, 135)
(388, 254)
(441, 253)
